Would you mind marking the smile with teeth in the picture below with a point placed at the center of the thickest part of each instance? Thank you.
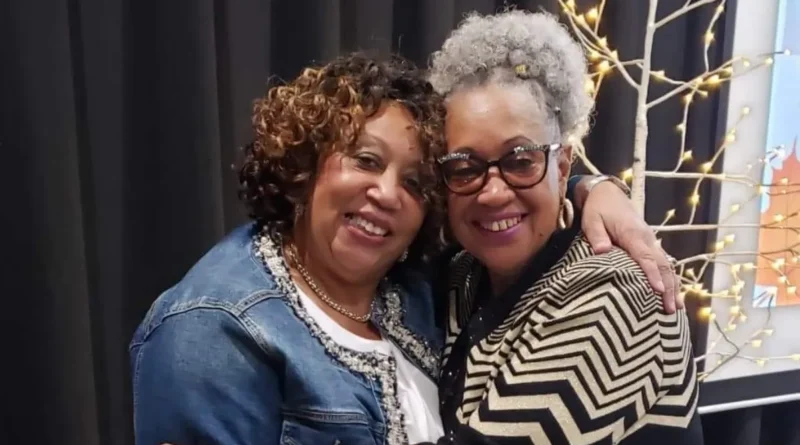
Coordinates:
(500, 225)
(366, 226)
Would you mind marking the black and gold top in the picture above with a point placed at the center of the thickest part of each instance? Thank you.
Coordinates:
(579, 351)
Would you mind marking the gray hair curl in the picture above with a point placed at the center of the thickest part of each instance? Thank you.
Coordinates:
(531, 47)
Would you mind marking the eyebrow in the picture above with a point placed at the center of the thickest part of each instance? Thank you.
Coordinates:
(508, 143)
(369, 139)
(384, 147)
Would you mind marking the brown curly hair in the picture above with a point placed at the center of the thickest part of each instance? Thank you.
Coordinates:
(324, 110)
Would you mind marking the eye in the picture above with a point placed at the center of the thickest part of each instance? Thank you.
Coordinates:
(524, 162)
(462, 170)
(413, 185)
(368, 161)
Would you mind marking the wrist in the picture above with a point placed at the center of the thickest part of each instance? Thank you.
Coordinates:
(587, 184)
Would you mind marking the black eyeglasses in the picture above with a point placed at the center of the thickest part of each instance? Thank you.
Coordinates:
(521, 168)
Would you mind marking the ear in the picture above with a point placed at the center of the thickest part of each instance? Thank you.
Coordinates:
(564, 164)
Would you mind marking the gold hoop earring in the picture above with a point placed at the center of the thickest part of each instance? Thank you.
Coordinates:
(566, 214)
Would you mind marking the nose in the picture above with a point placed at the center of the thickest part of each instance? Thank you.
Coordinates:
(386, 192)
(496, 192)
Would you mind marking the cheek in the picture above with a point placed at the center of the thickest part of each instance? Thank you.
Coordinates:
(456, 212)
(337, 182)
(413, 214)
(543, 203)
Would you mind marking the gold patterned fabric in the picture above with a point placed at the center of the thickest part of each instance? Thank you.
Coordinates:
(582, 354)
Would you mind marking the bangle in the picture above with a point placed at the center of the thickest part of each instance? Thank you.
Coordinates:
(613, 179)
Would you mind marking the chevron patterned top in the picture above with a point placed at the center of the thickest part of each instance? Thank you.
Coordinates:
(582, 354)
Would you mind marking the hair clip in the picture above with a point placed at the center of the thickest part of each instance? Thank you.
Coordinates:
(521, 69)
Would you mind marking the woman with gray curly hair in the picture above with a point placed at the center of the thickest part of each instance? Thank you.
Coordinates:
(548, 341)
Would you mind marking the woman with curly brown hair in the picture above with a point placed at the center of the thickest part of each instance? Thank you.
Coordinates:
(310, 325)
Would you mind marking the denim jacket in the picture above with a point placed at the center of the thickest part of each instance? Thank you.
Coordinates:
(229, 356)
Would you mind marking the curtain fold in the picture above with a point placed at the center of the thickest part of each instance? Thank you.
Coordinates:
(120, 123)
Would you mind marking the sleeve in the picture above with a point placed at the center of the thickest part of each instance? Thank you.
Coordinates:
(671, 415)
(598, 358)
(200, 379)
(642, 360)
(571, 185)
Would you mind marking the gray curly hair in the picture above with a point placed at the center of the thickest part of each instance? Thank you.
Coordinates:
(519, 47)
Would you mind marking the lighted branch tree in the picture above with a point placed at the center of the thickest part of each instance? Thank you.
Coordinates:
(639, 73)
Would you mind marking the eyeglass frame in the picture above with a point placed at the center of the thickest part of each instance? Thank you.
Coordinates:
(544, 148)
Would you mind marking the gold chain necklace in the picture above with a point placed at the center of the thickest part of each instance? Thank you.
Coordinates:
(291, 253)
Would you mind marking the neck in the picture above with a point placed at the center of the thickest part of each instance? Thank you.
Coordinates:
(355, 295)
(502, 280)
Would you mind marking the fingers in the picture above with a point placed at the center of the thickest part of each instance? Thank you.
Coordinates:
(651, 268)
(679, 301)
(595, 230)
(679, 295)
(670, 294)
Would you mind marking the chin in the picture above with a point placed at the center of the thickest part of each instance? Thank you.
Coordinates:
(358, 262)
(499, 262)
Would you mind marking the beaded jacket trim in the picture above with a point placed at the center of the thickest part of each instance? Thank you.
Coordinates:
(388, 314)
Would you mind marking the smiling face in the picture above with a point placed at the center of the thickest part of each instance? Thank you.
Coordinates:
(500, 225)
(366, 206)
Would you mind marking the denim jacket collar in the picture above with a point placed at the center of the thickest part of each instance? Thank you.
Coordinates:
(388, 315)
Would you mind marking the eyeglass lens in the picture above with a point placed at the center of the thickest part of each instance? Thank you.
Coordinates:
(519, 169)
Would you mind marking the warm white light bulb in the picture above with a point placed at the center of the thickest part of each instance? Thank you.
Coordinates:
(627, 174)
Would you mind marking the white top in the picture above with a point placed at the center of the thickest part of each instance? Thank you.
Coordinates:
(417, 394)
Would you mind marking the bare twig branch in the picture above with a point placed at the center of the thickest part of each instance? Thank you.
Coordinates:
(685, 9)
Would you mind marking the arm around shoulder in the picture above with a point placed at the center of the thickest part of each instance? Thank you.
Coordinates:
(200, 378)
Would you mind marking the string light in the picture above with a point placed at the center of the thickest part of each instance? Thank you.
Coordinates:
(589, 85)
(592, 14)
(604, 59)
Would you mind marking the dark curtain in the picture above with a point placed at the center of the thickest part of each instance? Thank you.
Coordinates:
(119, 125)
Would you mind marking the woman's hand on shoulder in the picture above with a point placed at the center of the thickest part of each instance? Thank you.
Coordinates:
(609, 218)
